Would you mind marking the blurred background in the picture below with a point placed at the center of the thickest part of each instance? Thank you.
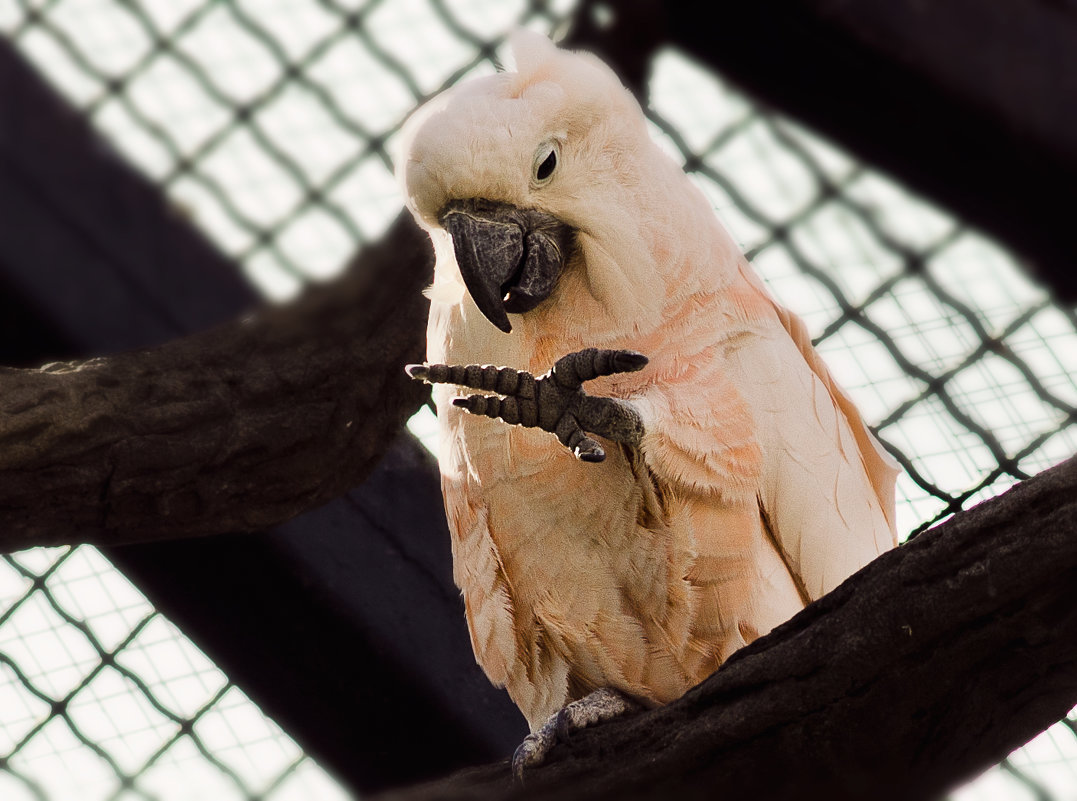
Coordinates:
(269, 126)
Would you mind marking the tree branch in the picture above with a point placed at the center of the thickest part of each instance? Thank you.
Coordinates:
(927, 666)
(232, 429)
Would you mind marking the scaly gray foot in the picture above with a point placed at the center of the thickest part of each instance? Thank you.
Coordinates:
(598, 707)
(554, 402)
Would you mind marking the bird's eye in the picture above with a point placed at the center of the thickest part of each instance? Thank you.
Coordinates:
(546, 167)
(545, 162)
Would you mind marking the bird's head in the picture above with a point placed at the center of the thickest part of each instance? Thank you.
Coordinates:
(527, 169)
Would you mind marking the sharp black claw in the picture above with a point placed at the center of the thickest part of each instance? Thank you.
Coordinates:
(532, 751)
(417, 371)
(591, 452)
(629, 361)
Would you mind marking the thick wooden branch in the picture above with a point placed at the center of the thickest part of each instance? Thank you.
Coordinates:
(232, 429)
(927, 666)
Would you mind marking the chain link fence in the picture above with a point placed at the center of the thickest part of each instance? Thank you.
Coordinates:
(271, 124)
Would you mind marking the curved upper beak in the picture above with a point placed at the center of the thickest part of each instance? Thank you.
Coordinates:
(510, 258)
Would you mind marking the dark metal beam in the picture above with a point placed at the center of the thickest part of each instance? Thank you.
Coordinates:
(969, 103)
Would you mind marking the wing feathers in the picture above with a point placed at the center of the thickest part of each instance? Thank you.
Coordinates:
(827, 484)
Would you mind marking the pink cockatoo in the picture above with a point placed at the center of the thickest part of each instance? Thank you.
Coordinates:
(710, 488)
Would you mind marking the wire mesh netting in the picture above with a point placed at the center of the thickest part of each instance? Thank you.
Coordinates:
(102, 697)
(271, 124)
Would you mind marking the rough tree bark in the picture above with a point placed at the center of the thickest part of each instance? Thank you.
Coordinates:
(232, 429)
(927, 666)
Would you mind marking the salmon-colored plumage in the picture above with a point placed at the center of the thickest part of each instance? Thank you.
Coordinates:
(757, 487)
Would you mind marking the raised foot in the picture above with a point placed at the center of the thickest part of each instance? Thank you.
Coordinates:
(554, 402)
(598, 707)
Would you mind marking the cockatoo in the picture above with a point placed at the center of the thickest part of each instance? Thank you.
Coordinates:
(715, 480)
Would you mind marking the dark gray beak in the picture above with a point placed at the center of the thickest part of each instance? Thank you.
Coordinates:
(510, 258)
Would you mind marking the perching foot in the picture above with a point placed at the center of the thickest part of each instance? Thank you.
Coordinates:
(598, 707)
(554, 402)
